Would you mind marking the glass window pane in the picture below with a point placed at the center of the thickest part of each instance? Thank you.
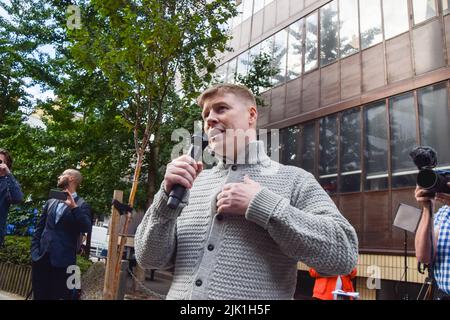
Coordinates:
(445, 6)
(370, 22)
(375, 147)
(254, 52)
(231, 71)
(242, 64)
(329, 33)
(289, 146)
(238, 18)
(350, 150)
(267, 46)
(221, 73)
(258, 5)
(328, 153)
(311, 42)
(403, 140)
(295, 53)
(308, 146)
(395, 15)
(280, 56)
(424, 10)
(348, 16)
(247, 9)
(434, 121)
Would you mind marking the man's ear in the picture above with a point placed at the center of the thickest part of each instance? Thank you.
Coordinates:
(253, 115)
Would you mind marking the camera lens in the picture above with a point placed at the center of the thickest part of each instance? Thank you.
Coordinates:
(1, 161)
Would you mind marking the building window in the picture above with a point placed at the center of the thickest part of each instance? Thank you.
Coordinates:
(375, 147)
(231, 71)
(349, 33)
(295, 50)
(311, 42)
(403, 140)
(221, 73)
(308, 142)
(350, 151)
(395, 15)
(424, 10)
(445, 6)
(434, 121)
(329, 42)
(370, 22)
(238, 18)
(258, 5)
(280, 56)
(242, 64)
(247, 9)
(328, 153)
(290, 153)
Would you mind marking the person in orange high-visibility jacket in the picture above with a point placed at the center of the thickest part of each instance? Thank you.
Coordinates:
(324, 286)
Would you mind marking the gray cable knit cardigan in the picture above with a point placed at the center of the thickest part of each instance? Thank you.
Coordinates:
(253, 257)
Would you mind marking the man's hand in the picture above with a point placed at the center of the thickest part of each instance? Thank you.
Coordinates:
(70, 202)
(423, 196)
(4, 170)
(235, 197)
(183, 171)
(443, 197)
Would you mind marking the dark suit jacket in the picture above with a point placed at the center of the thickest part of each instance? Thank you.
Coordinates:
(60, 239)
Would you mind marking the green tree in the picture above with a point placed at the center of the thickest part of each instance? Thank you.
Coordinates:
(140, 48)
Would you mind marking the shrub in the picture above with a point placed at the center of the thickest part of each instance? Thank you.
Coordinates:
(16, 250)
(83, 263)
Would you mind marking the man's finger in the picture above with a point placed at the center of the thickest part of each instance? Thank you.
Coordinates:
(199, 167)
(185, 166)
(222, 202)
(189, 160)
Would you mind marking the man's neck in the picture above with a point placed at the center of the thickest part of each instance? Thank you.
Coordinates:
(72, 190)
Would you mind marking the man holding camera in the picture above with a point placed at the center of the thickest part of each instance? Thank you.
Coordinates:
(432, 241)
(54, 244)
(10, 191)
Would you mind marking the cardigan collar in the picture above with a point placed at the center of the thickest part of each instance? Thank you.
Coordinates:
(255, 153)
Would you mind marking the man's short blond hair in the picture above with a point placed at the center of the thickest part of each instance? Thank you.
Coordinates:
(76, 174)
(238, 90)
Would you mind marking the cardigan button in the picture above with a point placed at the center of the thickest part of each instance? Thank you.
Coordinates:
(198, 283)
(219, 217)
(211, 247)
(234, 167)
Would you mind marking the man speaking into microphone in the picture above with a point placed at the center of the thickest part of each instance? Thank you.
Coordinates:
(242, 226)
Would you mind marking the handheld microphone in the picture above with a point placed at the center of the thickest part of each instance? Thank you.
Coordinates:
(198, 143)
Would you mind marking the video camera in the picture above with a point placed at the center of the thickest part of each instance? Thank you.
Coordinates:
(435, 181)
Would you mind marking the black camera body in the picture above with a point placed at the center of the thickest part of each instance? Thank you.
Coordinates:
(430, 179)
(435, 181)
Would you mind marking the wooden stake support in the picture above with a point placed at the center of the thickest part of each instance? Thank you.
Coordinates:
(109, 287)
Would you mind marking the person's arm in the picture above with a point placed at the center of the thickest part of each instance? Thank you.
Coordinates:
(83, 219)
(36, 240)
(81, 214)
(312, 230)
(155, 238)
(424, 236)
(15, 192)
